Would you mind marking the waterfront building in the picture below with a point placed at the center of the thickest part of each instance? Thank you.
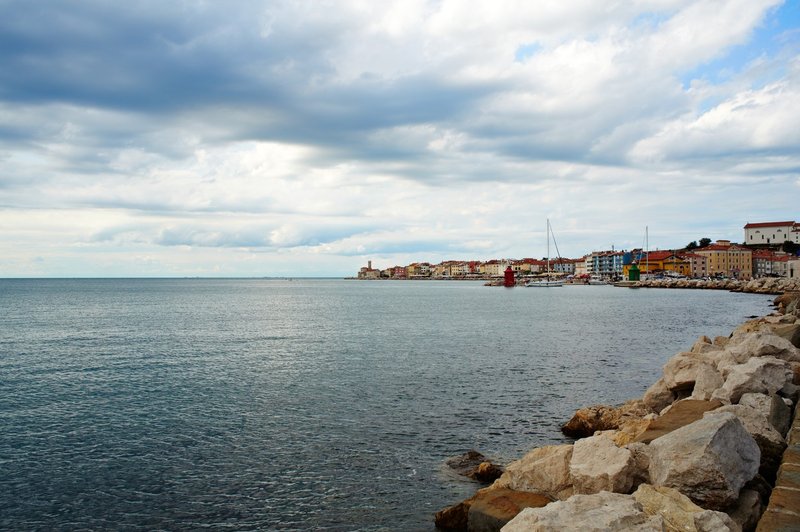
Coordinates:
(565, 266)
(418, 269)
(493, 268)
(698, 265)
(768, 263)
(666, 261)
(771, 233)
(727, 259)
(368, 272)
(606, 263)
(580, 267)
(445, 269)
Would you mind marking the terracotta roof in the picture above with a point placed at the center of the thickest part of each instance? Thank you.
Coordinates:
(769, 224)
(658, 255)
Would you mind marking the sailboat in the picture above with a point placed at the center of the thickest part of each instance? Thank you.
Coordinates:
(543, 283)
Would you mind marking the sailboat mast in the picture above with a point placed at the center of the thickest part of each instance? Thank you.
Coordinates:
(547, 235)
(647, 245)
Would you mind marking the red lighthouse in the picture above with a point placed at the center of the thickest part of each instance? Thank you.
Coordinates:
(509, 281)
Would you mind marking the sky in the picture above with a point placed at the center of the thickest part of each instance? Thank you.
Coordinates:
(304, 138)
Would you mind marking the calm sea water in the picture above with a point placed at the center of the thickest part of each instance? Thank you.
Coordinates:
(306, 404)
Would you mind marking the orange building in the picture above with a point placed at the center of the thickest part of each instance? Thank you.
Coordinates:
(729, 260)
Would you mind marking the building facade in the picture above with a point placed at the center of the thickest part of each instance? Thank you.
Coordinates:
(771, 233)
(728, 260)
(606, 263)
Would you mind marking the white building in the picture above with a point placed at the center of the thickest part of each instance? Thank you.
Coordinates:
(771, 233)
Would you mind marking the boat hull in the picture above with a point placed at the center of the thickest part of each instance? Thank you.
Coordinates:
(544, 284)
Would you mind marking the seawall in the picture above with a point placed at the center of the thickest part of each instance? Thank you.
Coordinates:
(701, 450)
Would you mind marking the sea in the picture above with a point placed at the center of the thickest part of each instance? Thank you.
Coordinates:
(304, 404)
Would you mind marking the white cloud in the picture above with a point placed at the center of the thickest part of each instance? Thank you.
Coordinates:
(234, 140)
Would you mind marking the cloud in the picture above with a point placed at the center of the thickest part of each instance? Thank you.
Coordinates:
(405, 129)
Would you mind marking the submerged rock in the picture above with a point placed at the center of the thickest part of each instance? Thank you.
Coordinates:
(474, 465)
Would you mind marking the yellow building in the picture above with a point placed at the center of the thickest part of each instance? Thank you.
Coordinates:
(730, 260)
(659, 262)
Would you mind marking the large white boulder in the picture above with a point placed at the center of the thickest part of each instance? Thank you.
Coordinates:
(599, 465)
(765, 374)
(773, 407)
(543, 470)
(762, 343)
(769, 440)
(602, 511)
(708, 460)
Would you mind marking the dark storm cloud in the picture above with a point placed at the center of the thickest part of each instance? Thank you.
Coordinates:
(141, 56)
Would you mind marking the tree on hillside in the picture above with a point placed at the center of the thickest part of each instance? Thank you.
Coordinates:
(790, 247)
(704, 242)
(691, 245)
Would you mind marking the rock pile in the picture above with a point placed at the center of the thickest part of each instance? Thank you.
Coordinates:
(764, 285)
(697, 452)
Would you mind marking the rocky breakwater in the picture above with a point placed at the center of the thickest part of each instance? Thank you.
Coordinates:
(764, 285)
(699, 451)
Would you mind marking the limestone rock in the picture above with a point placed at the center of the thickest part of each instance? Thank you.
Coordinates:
(589, 420)
(487, 472)
(641, 461)
(680, 414)
(711, 521)
(454, 518)
(599, 465)
(543, 470)
(658, 396)
(678, 511)
(708, 460)
(769, 440)
(602, 511)
(758, 375)
(628, 432)
(707, 381)
(747, 510)
(492, 508)
(680, 371)
(763, 343)
(773, 407)
(788, 331)
(721, 341)
(704, 344)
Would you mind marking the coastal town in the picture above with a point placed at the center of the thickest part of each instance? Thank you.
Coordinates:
(769, 249)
